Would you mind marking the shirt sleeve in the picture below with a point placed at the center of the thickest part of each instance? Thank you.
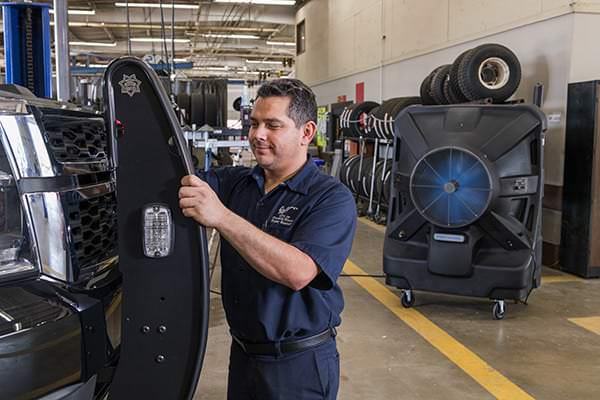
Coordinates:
(326, 235)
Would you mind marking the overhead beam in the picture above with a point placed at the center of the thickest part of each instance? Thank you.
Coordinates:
(180, 27)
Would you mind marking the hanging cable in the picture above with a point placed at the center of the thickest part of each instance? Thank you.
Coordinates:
(128, 28)
(151, 33)
(163, 35)
(172, 37)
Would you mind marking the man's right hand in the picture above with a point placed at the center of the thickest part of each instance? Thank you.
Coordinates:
(198, 201)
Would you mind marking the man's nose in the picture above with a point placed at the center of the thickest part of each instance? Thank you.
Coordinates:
(259, 133)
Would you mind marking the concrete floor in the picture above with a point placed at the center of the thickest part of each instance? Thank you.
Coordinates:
(537, 348)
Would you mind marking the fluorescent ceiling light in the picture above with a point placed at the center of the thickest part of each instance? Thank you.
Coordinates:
(263, 2)
(263, 62)
(157, 5)
(80, 23)
(211, 68)
(230, 36)
(150, 40)
(92, 65)
(74, 11)
(99, 44)
(271, 43)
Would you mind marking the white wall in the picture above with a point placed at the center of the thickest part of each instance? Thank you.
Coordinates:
(314, 62)
(585, 63)
(346, 37)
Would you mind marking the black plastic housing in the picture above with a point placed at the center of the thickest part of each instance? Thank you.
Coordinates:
(499, 254)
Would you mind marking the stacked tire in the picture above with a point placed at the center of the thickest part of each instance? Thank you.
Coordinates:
(349, 172)
(357, 177)
(380, 122)
(354, 119)
(490, 72)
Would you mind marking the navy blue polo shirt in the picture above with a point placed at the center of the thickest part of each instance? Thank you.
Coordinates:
(311, 211)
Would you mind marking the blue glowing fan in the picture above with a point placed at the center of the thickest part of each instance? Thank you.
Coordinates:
(451, 187)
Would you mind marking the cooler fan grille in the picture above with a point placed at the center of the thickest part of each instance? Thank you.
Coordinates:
(451, 187)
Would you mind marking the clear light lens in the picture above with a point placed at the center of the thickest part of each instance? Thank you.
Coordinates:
(158, 231)
(15, 252)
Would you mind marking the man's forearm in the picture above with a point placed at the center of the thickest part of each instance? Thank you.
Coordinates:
(271, 257)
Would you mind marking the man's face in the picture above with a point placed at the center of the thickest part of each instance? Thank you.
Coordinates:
(276, 142)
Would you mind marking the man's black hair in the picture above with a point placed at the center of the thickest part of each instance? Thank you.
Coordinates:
(303, 106)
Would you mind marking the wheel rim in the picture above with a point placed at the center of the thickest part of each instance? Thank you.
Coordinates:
(451, 187)
(494, 73)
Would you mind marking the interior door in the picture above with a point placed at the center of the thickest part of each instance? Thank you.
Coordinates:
(165, 298)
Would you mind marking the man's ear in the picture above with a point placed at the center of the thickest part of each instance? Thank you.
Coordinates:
(309, 130)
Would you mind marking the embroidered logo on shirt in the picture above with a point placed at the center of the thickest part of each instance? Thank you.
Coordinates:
(285, 215)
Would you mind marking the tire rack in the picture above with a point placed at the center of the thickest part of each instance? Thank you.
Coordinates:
(376, 203)
(380, 131)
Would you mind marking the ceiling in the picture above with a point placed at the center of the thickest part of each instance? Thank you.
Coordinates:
(207, 34)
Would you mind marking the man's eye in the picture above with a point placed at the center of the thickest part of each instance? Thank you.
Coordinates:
(273, 126)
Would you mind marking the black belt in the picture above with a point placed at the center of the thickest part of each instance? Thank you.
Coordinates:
(276, 348)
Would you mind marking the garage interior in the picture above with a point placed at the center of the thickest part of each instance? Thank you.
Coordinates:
(381, 69)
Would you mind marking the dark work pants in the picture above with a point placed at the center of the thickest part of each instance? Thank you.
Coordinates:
(306, 375)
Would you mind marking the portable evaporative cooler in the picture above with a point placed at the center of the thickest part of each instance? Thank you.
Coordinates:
(465, 210)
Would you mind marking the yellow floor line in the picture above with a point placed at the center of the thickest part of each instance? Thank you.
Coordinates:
(368, 222)
(493, 381)
(561, 278)
(592, 324)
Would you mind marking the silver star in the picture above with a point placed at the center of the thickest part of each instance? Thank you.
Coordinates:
(130, 85)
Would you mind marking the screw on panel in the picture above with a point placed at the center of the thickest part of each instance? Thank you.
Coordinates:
(145, 329)
(162, 329)
(160, 358)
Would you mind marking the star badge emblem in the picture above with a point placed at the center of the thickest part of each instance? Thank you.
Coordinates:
(130, 85)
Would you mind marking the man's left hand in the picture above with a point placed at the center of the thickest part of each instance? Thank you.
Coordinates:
(198, 201)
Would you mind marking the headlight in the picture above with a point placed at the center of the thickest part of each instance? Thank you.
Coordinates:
(15, 248)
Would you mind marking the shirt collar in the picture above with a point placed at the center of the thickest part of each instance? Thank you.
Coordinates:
(300, 182)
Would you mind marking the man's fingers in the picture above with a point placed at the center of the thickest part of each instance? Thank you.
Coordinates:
(189, 191)
(192, 180)
(188, 211)
(186, 180)
(187, 202)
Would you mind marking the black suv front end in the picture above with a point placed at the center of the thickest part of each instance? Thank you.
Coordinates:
(60, 286)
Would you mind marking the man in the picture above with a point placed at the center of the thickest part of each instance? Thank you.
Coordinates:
(287, 230)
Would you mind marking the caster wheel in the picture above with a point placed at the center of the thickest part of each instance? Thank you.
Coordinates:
(407, 299)
(498, 310)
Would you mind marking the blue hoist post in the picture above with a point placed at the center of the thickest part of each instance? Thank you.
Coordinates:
(27, 46)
